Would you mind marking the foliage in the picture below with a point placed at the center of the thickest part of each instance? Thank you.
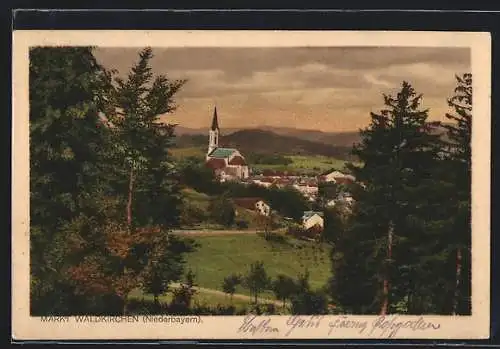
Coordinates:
(104, 193)
(381, 260)
(167, 267)
(337, 220)
(183, 296)
(270, 159)
(194, 174)
(287, 201)
(67, 92)
(284, 287)
(256, 280)
(222, 211)
(229, 284)
(306, 301)
(459, 157)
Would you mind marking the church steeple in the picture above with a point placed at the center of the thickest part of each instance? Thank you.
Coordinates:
(213, 133)
(215, 121)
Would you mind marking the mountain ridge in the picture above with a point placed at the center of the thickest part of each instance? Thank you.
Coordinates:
(346, 138)
(259, 141)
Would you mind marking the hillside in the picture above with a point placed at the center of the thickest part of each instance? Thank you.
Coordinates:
(221, 255)
(267, 142)
(330, 138)
(342, 139)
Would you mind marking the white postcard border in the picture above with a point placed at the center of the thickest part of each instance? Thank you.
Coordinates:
(477, 326)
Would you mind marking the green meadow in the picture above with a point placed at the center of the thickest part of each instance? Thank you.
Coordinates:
(300, 163)
(218, 256)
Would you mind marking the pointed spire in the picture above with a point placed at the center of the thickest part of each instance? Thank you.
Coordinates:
(215, 122)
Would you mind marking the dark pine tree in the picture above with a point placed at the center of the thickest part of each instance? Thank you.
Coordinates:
(68, 90)
(381, 254)
(459, 133)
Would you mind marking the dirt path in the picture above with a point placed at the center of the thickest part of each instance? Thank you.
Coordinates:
(236, 295)
(213, 232)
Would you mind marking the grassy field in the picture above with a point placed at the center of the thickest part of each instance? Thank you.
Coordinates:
(199, 199)
(301, 163)
(219, 256)
(322, 163)
(309, 164)
(180, 153)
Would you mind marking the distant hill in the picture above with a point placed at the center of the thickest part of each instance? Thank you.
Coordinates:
(331, 138)
(267, 142)
(283, 141)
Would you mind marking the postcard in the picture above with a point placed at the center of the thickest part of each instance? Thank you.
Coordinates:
(250, 185)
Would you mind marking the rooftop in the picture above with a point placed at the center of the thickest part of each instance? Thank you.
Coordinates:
(221, 153)
(309, 214)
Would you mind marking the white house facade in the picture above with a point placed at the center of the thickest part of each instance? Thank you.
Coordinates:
(311, 219)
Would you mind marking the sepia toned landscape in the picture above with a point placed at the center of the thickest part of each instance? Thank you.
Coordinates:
(234, 181)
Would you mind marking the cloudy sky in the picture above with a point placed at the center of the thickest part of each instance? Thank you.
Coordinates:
(329, 89)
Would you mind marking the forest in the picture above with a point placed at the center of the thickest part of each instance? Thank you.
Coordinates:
(105, 195)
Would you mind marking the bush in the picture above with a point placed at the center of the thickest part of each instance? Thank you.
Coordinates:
(147, 307)
(222, 211)
(191, 214)
(273, 237)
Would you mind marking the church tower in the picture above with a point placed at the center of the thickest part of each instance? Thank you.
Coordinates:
(213, 134)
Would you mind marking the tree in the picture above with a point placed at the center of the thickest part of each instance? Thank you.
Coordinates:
(386, 245)
(229, 284)
(142, 142)
(335, 223)
(256, 280)
(142, 195)
(306, 301)
(460, 158)
(222, 211)
(265, 223)
(284, 287)
(68, 91)
(183, 296)
(166, 267)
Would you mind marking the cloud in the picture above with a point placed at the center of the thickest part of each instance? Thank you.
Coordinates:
(327, 87)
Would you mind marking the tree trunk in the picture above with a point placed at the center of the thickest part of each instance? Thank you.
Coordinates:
(125, 305)
(458, 276)
(156, 303)
(130, 196)
(386, 284)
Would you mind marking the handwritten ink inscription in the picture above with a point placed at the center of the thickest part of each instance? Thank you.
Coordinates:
(254, 325)
(382, 326)
(389, 326)
(296, 321)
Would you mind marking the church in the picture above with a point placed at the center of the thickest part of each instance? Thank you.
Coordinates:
(227, 163)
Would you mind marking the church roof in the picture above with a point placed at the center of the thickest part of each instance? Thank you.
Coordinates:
(215, 163)
(237, 160)
(215, 121)
(222, 153)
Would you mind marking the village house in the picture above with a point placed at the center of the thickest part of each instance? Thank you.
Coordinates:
(336, 177)
(311, 219)
(227, 163)
(255, 204)
(263, 181)
(343, 197)
(308, 188)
